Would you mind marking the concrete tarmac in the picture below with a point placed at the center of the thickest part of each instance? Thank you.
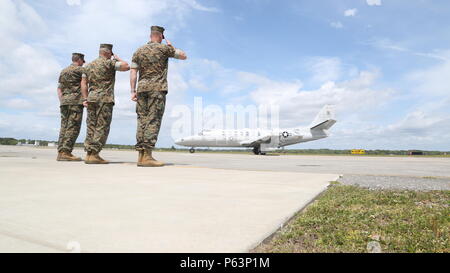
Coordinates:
(49, 206)
(363, 165)
(202, 202)
(360, 165)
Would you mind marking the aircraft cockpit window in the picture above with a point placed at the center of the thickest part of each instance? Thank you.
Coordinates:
(204, 132)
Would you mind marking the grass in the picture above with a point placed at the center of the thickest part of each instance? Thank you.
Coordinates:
(347, 218)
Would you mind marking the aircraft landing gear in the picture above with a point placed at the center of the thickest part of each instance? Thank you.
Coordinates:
(192, 150)
(257, 151)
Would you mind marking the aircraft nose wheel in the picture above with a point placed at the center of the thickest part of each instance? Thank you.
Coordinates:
(192, 150)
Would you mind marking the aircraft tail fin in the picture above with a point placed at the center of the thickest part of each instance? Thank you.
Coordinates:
(325, 119)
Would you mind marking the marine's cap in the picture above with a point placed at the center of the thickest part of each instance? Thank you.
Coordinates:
(107, 46)
(78, 55)
(158, 29)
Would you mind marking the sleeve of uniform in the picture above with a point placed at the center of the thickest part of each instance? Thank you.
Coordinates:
(86, 72)
(59, 80)
(115, 64)
(170, 51)
(135, 60)
(83, 72)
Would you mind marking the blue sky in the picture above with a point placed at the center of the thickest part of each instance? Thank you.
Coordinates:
(384, 64)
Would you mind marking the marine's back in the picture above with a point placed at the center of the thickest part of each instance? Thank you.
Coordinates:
(152, 62)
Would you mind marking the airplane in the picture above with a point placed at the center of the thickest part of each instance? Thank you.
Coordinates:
(263, 141)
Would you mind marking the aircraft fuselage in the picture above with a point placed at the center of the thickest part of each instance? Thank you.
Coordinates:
(244, 137)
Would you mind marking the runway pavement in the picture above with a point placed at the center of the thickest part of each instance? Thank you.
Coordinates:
(361, 165)
(202, 202)
(49, 206)
(365, 165)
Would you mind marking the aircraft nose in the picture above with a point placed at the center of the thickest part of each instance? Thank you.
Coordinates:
(179, 141)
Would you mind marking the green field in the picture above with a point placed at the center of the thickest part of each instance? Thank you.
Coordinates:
(347, 218)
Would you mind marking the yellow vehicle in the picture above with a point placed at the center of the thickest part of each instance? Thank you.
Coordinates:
(358, 152)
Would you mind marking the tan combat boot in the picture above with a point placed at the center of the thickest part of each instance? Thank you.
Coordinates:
(141, 155)
(74, 158)
(149, 161)
(66, 156)
(94, 158)
(101, 159)
(88, 157)
(59, 157)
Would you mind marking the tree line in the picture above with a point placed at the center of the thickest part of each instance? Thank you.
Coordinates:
(13, 141)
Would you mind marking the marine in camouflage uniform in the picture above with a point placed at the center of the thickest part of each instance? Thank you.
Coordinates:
(71, 99)
(101, 75)
(151, 62)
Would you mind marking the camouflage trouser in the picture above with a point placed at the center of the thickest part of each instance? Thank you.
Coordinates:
(71, 118)
(98, 125)
(150, 110)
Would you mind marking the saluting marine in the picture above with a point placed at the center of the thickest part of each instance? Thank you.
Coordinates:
(151, 62)
(72, 94)
(101, 75)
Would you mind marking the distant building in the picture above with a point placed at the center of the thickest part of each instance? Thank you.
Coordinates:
(415, 153)
(27, 143)
(51, 144)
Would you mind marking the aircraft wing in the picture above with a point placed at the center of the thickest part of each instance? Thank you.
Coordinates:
(255, 141)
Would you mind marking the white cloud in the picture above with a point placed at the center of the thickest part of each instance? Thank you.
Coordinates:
(390, 45)
(426, 130)
(73, 2)
(29, 125)
(17, 18)
(18, 103)
(27, 70)
(416, 124)
(325, 69)
(296, 103)
(425, 123)
(195, 5)
(337, 25)
(374, 2)
(350, 12)
(434, 80)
